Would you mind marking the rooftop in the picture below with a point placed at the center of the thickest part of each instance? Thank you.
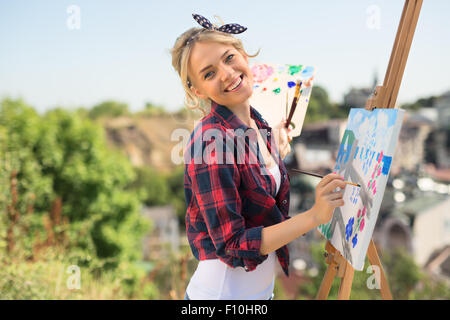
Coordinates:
(419, 205)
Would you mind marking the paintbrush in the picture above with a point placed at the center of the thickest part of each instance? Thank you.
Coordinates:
(320, 176)
(294, 102)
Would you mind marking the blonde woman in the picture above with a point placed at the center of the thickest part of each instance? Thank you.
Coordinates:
(236, 185)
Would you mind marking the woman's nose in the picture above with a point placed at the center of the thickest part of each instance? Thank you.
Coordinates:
(226, 73)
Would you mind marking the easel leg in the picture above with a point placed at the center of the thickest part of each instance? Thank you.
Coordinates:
(374, 259)
(327, 282)
(346, 283)
(340, 267)
(337, 266)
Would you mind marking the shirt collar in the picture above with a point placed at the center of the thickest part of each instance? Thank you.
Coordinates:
(231, 120)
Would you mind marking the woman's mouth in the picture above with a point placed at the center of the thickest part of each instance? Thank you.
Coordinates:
(236, 85)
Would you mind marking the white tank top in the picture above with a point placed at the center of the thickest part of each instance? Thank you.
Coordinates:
(275, 171)
(215, 280)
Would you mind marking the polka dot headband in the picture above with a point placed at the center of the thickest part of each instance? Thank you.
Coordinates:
(228, 28)
(232, 28)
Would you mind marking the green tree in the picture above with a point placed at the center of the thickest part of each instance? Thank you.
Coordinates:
(151, 186)
(156, 189)
(403, 272)
(62, 155)
(321, 108)
(176, 185)
(151, 110)
(420, 103)
(109, 109)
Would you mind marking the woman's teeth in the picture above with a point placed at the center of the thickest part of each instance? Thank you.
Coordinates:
(235, 84)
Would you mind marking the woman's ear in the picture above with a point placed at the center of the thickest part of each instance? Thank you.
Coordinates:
(198, 93)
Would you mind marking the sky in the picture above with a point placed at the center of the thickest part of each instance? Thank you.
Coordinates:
(79, 53)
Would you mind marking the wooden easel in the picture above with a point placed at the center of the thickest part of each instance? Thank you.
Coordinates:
(383, 96)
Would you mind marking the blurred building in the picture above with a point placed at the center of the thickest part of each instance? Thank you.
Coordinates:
(357, 97)
(438, 266)
(442, 106)
(421, 226)
(442, 136)
(317, 146)
(431, 226)
(410, 152)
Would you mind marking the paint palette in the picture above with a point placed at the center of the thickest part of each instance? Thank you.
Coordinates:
(274, 85)
(365, 157)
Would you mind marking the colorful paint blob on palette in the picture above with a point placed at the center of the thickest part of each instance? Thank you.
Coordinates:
(266, 76)
(294, 69)
(261, 72)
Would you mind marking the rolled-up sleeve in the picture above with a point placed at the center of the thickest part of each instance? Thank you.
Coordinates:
(215, 189)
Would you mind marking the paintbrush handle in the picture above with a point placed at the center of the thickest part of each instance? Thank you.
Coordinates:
(320, 176)
(294, 103)
(309, 173)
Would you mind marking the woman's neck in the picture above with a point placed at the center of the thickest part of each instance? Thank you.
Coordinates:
(242, 111)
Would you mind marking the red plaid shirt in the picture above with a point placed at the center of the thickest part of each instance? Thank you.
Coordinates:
(229, 203)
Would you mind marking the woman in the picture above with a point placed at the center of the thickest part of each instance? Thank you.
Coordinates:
(236, 185)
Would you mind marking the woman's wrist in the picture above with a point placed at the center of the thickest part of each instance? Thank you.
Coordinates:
(312, 216)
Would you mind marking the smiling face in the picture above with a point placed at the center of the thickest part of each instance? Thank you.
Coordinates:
(221, 73)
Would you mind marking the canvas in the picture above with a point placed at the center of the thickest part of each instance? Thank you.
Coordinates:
(364, 157)
(274, 84)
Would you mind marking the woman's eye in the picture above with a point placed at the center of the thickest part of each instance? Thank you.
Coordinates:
(209, 74)
(230, 57)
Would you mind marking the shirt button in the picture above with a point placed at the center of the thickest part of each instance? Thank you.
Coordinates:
(268, 133)
(284, 201)
(228, 251)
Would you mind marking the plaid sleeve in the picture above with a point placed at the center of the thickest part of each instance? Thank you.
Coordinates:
(215, 189)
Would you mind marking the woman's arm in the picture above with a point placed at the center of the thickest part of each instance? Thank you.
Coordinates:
(280, 234)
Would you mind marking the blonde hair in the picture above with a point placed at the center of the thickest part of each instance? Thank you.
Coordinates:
(181, 52)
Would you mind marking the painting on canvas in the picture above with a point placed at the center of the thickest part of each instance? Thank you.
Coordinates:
(364, 157)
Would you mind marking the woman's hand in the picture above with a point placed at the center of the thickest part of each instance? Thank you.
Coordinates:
(282, 138)
(327, 199)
